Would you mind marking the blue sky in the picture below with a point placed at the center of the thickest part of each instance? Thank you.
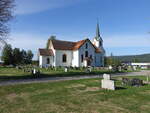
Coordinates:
(124, 24)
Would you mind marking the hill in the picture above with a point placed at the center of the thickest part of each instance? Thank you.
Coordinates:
(134, 58)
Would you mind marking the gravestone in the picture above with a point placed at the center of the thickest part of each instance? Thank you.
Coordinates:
(132, 82)
(110, 67)
(107, 83)
(34, 71)
(66, 69)
(119, 69)
(106, 76)
(134, 68)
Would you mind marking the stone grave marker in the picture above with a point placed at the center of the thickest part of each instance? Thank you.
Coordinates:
(107, 83)
(66, 69)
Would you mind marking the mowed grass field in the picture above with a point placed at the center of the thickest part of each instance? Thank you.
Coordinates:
(75, 96)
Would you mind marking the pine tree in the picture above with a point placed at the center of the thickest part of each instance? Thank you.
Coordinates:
(7, 56)
(17, 58)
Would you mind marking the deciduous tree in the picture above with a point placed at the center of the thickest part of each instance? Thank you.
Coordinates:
(6, 8)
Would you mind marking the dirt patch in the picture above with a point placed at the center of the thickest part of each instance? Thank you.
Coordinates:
(112, 107)
(92, 89)
(145, 107)
(11, 96)
(96, 80)
(147, 92)
(76, 86)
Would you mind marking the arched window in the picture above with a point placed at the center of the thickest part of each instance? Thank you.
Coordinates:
(82, 58)
(86, 54)
(64, 58)
(91, 56)
(48, 61)
(86, 46)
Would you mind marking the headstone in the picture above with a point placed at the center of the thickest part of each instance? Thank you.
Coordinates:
(106, 76)
(134, 68)
(119, 69)
(132, 82)
(34, 71)
(110, 67)
(90, 69)
(107, 83)
(66, 69)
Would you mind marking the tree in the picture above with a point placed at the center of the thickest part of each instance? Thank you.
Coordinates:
(7, 56)
(48, 41)
(17, 58)
(29, 56)
(24, 57)
(111, 60)
(6, 7)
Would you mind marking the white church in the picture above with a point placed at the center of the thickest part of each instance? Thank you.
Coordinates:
(75, 54)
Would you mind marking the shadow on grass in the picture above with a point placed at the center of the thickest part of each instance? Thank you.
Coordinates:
(120, 88)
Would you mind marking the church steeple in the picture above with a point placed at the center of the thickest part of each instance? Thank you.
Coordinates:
(97, 30)
(98, 42)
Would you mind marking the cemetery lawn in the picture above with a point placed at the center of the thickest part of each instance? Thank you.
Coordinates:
(77, 96)
(14, 74)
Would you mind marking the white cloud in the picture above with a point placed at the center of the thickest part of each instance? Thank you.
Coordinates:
(127, 41)
(34, 6)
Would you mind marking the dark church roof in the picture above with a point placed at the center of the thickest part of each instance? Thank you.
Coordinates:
(67, 45)
(46, 52)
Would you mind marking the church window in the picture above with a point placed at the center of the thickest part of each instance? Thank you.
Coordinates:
(91, 56)
(100, 43)
(82, 58)
(48, 61)
(64, 58)
(86, 53)
(86, 46)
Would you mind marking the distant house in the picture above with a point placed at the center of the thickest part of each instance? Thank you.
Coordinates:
(76, 54)
(141, 65)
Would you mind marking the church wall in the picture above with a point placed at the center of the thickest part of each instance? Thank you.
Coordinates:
(75, 60)
(54, 52)
(43, 61)
(58, 57)
(99, 59)
(91, 51)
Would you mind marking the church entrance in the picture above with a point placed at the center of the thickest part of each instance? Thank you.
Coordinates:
(87, 61)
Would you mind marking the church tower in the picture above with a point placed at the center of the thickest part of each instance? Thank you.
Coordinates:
(98, 41)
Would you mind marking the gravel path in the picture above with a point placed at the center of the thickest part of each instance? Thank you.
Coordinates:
(53, 79)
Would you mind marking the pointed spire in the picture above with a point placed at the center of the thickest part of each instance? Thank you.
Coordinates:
(97, 30)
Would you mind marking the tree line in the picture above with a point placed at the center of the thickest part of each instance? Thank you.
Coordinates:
(16, 56)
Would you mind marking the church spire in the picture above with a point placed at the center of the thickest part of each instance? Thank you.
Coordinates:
(97, 30)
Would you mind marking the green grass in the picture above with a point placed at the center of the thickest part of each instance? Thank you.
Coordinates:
(13, 73)
(79, 96)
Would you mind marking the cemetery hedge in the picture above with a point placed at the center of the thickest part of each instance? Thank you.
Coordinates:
(78, 96)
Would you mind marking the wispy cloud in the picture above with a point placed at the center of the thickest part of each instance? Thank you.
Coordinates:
(34, 6)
